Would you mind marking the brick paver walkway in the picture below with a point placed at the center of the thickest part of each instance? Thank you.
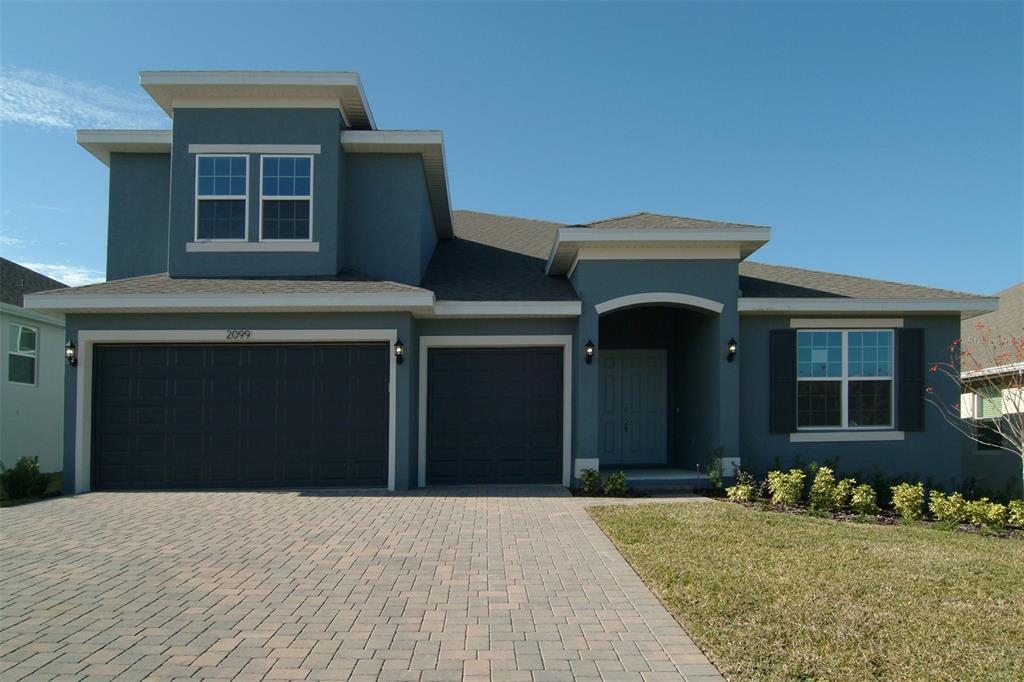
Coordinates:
(459, 584)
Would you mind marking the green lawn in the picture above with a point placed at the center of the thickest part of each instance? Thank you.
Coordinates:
(781, 597)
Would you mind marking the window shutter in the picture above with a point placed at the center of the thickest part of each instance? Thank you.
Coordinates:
(782, 348)
(910, 374)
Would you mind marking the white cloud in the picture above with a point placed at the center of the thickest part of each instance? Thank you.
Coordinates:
(11, 242)
(46, 100)
(72, 275)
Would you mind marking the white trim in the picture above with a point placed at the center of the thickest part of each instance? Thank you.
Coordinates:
(87, 339)
(16, 350)
(996, 370)
(866, 305)
(283, 149)
(844, 436)
(255, 102)
(846, 323)
(508, 309)
(339, 302)
(659, 298)
(358, 140)
(276, 245)
(56, 320)
(101, 143)
(294, 197)
(500, 341)
(220, 197)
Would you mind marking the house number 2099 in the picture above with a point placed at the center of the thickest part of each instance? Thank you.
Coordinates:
(238, 334)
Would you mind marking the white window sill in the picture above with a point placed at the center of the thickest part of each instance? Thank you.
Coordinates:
(238, 246)
(844, 436)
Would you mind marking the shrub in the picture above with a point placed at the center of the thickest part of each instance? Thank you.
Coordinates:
(984, 512)
(741, 492)
(823, 490)
(864, 500)
(714, 467)
(591, 481)
(947, 508)
(1016, 510)
(615, 485)
(908, 501)
(786, 489)
(844, 489)
(23, 479)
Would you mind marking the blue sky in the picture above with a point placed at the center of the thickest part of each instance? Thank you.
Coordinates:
(876, 139)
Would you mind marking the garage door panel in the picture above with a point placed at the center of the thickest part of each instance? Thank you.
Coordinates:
(494, 415)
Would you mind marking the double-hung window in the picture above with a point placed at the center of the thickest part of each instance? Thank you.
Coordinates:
(21, 354)
(844, 379)
(222, 197)
(286, 198)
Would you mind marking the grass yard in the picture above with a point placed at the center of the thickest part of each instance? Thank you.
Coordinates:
(781, 597)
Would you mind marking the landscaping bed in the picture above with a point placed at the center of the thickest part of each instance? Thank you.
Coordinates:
(772, 596)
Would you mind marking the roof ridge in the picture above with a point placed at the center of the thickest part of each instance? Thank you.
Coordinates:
(861, 277)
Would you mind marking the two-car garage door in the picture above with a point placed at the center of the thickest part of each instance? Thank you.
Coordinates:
(240, 416)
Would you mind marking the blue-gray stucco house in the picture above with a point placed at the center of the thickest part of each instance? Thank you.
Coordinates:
(292, 302)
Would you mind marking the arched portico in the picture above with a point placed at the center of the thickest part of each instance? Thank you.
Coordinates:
(666, 298)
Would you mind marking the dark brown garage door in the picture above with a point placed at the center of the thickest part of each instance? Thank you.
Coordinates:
(494, 416)
(252, 416)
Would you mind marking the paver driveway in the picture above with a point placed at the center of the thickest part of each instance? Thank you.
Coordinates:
(475, 584)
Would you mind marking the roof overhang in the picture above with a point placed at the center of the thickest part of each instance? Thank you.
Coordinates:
(427, 143)
(11, 310)
(101, 143)
(995, 371)
(967, 307)
(418, 303)
(570, 241)
(341, 89)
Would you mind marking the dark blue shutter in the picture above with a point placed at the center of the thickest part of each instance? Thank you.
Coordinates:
(910, 379)
(782, 349)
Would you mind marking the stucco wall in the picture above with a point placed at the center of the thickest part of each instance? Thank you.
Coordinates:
(31, 417)
(138, 214)
(256, 126)
(389, 229)
(932, 454)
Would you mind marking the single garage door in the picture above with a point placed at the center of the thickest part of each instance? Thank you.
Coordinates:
(240, 416)
(494, 415)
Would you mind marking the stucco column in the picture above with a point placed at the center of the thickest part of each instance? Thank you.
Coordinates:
(585, 387)
(729, 381)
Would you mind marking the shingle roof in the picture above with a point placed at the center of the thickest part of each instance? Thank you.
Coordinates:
(519, 235)
(760, 280)
(1005, 323)
(17, 280)
(345, 283)
(656, 221)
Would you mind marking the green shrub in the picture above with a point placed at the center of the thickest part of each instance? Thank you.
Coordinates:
(714, 467)
(984, 512)
(844, 489)
(908, 501)
(823, 490)
(864, 500)
(947, 508)
(741, 492)
(615, 485)
(786, 489)
(1016, 509)
(23, 479)
(591, 481)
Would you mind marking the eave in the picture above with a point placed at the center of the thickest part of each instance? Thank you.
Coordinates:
(967, 307)
(102, 143)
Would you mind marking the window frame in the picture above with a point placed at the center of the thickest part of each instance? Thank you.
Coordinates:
(198, 197)
(312, 177)
(16, 351)
(844, 383)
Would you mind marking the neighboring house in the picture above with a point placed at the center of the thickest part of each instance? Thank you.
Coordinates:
(292, 302)
(32, 377)
(993, 380)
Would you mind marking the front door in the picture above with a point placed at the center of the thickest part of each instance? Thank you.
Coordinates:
(633, 407)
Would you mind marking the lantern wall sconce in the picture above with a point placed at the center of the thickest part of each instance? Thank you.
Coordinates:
(71, 353)
(399, 352)
(588, 352)
(731, 350)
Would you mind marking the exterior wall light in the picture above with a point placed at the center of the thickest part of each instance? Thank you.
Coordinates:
(588, 351)
(399, 352)
(731, 348)
(71, 353)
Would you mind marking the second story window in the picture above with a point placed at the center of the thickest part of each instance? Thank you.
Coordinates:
(286, 201)
(221, 197)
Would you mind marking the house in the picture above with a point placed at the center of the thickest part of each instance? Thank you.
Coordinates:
(32, 374)
(291, 301)
(992, 346)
